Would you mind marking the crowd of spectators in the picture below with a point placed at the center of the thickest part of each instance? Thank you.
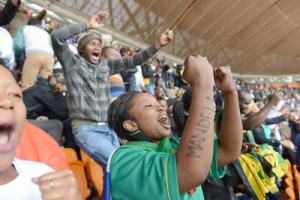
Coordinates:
(70, 82)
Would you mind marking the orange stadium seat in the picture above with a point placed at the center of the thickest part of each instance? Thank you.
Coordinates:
(84, 157)
(289, 182)
(290, 193)
(289, 174)
(95, 175)
(70, 154)
(78, 169)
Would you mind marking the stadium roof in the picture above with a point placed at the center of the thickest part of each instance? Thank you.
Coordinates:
(254, 37)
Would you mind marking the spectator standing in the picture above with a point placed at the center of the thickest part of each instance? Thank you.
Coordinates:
(128, 74)
(117, 86)
(39, 52)
(87, 80)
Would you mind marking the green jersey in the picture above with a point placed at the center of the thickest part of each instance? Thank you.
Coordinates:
(144, 170)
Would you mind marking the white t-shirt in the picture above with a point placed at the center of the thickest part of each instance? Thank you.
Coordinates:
(22, 188)
(139, 80)
(6, 48)
(37, 41)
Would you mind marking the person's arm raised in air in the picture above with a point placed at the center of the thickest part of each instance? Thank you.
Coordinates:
(194, 154)
(9, 11)
(43, 12)
(59, 37)
(259, 118)
(275, 120)
(118, 65)
(231, 132)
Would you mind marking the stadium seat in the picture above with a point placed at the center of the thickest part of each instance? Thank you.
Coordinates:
(290, 193)
(84, 157)
(71, 154)
(78, 169)
(296, 176)
(95, 175)
(289, 182)
(289, 174)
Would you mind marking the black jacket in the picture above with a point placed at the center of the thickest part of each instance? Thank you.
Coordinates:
(8, 13)
(41, 99)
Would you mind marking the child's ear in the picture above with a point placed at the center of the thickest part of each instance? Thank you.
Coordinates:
(130, 126)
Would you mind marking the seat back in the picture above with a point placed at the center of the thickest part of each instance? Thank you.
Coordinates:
(70, 154)
(290, 193)
(78, 169)
(84, 157)
(95, 175)
(289, 182)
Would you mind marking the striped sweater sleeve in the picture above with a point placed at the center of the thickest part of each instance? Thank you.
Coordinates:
(118, 65)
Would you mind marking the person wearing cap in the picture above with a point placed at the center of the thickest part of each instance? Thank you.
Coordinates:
(87, 79)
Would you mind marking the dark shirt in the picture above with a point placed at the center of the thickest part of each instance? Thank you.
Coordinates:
(41, 100)
(295, 130)
(8, 13)
(260, 137)
(275, 120)
(259, 132)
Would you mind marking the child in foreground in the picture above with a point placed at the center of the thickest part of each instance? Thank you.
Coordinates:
(20, 179)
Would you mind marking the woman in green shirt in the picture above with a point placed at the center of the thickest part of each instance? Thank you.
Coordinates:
(147, 167)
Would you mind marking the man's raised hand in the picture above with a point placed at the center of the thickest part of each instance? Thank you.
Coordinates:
(97, 20)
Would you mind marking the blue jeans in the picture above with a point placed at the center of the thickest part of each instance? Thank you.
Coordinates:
(97, 141)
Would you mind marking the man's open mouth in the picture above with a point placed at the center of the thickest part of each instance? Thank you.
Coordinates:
(96, 54)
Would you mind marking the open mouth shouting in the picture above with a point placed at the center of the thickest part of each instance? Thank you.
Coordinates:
(164, 120)
(6, 142)
(95, 57)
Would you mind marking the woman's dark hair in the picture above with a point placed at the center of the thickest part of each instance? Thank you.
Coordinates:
(181, 109)
(187, 98)
(179, 117)
(118, 112)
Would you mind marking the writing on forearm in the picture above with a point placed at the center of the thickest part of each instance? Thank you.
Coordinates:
(211, 99)
(195, 144)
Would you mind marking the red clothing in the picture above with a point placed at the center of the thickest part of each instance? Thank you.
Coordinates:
(36, 145)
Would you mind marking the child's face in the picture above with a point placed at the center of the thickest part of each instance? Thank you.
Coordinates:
(12, 117)
(150, 117)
